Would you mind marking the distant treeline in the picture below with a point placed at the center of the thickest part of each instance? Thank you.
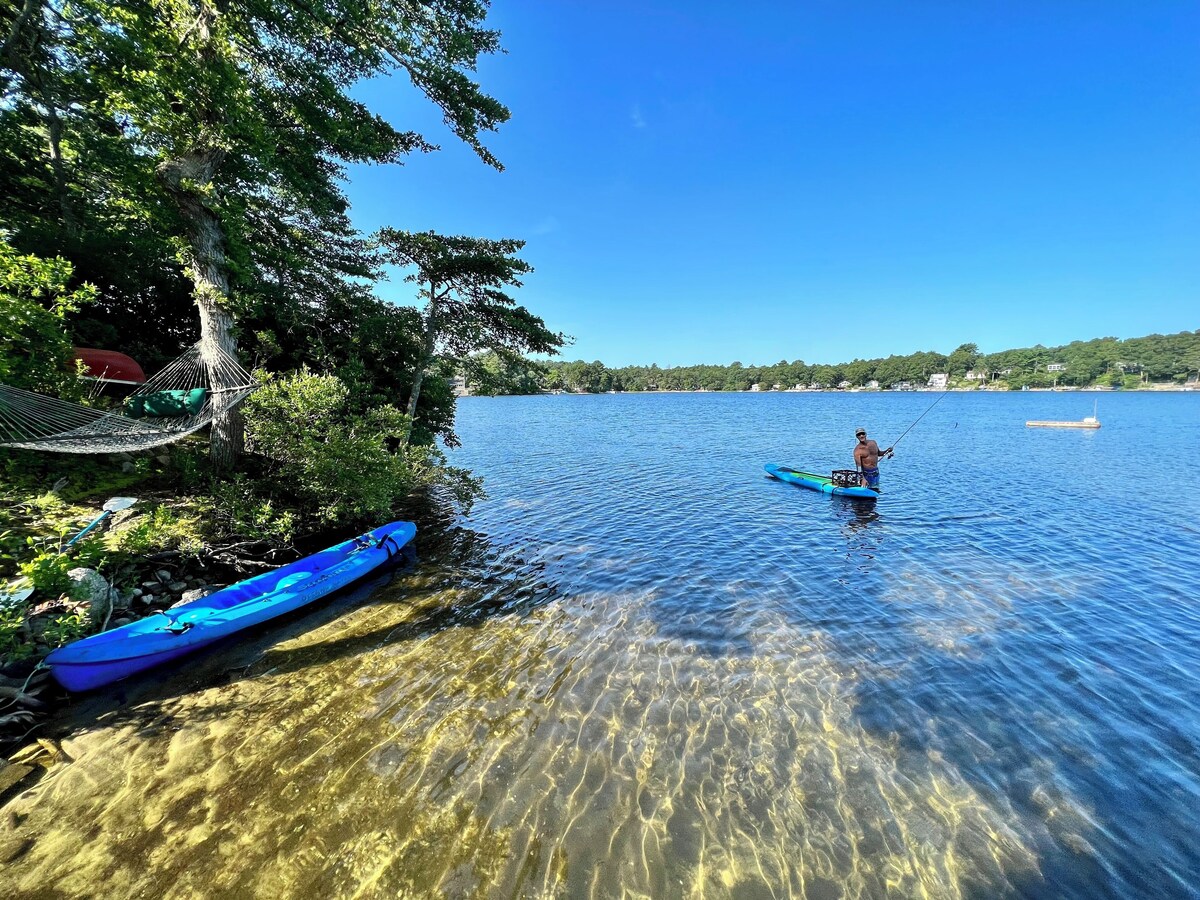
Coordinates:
(1104, 361)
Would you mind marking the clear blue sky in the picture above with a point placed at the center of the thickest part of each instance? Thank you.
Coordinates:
(707, 182)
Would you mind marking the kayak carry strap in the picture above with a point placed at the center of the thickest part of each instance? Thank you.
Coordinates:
(383, 544)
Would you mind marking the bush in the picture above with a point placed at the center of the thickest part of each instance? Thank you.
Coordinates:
(47, 572)
(339, 466)
(13, 630)
(35, 349)
(239, 510)
(160, 529)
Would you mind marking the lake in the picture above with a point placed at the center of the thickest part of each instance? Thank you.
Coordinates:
(643, 669)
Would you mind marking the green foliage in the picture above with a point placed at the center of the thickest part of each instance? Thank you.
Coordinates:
(13, 630)
(63, 629)
(11, 544)
(239, 509)
(48, 572)
(336, 464)
(494, 374)
(162, 528)
(137, 138)
(1157, 357)
(463, 281)
(91, 553)
(35, 348)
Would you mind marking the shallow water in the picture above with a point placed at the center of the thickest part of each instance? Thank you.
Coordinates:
(642, 669)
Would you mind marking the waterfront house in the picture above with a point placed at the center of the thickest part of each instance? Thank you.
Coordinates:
(939, 380)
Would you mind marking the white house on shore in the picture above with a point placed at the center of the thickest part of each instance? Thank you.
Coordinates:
(938, 380)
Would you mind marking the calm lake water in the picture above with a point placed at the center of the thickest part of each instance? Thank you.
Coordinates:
(642, 669)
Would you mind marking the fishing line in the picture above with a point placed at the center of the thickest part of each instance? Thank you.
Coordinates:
(919, 418)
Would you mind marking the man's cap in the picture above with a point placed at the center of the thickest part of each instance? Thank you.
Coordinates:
(858, 431)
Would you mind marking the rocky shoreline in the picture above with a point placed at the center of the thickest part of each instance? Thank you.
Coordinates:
(29, 696)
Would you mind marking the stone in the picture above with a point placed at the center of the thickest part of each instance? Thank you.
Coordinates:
(89, 586)
(136, 592)
(146, 599)
(164, 460)
(150, 585)
(124, 620)
(163, 575)
(177, 586)
(195, 594)
(127, 467)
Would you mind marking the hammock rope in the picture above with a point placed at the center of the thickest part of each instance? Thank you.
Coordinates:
(36, 422)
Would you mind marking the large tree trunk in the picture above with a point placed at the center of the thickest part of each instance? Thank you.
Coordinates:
(187, 179)
(210, 277)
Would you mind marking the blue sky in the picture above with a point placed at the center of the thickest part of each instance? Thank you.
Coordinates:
(709, 182)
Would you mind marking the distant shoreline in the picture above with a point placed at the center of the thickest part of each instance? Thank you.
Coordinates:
(1149, 389)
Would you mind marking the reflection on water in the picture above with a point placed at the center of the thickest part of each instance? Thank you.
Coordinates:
(638, 685)
(535, 752)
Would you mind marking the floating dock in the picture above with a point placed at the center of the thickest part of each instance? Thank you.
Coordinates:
(1089, 422)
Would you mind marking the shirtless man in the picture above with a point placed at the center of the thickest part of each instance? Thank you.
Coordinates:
(866, 460)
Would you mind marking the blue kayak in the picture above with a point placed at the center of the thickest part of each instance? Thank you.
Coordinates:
(104, 658)
(822, 483)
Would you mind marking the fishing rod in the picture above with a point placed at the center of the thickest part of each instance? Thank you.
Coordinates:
(919, 418)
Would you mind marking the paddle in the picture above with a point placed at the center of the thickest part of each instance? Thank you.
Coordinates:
(15, 592)
(116, 504)
(20, 590)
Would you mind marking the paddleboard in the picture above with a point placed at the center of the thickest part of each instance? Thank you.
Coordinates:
(814, 482)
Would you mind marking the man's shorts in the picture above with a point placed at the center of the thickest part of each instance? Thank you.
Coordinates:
(871, 477)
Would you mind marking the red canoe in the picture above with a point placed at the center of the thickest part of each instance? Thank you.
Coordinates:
(110, 366)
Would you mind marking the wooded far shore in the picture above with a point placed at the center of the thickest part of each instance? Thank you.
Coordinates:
(1152, 362)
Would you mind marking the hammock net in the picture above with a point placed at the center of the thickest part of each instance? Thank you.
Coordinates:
(201, 385)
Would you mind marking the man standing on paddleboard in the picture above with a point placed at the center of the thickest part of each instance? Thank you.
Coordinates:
(866, 459)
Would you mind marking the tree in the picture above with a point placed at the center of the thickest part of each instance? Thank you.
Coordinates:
(462, 280)
(962, 360)
(240, 115)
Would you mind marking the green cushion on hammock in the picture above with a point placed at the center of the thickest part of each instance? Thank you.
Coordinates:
(166, 404)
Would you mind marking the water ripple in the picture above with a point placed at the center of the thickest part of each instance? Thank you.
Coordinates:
(643, 669)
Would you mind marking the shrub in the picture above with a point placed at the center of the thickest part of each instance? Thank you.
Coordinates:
(63, 629)
(238, 510)
(13, 645)
(35, 349)
(158, 530)
(340, 466)
(48, 572)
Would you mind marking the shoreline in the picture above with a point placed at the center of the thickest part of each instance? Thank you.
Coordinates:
(1156, 389)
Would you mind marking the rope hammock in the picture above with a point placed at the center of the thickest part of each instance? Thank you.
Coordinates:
(199, 386)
